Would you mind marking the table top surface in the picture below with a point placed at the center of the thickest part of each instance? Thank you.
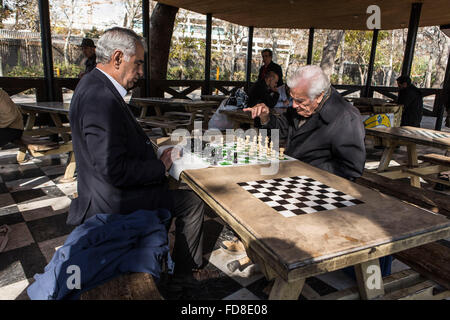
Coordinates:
(214, 97)
(47, 106)
(424, 136)
(155, 101)
(306, 239)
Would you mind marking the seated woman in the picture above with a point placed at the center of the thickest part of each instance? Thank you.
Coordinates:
(11, 127)
(284, 100)
(11, 122)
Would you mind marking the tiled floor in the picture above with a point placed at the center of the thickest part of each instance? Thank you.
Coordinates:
(34, 204)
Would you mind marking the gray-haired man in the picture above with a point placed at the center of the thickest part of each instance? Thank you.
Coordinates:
(322, 128)
(118, 170)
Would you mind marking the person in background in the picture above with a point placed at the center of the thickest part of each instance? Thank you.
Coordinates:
(264, 91)
(11, 121)
(411, 99)
(268, 66)
(88, 48)
(285, 100)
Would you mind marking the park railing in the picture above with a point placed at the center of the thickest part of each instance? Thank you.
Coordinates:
(183, 88)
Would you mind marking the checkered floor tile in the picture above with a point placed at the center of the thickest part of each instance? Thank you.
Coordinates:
(34, 204)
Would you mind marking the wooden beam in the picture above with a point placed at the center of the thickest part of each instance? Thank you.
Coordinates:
(47, 56)
(431, 260)
(207, 88)
(443, 98)
(146, 34)
(411, 39)
(310, 46)
(369, 279)
(249, 58)
(373, 51)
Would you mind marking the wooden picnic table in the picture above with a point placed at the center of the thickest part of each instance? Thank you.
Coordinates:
(173, 120)
(55, 110)
(214, 97)
(410, 137)
(291, 249)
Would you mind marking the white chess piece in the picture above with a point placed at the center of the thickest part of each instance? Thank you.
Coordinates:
(281, 155)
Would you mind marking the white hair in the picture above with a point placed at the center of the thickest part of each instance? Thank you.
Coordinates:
(314, 76)
(117, 38)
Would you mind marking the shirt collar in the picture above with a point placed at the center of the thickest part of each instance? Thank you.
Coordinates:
(122, 91)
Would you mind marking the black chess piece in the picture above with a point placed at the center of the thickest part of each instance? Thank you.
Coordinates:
(235, 159)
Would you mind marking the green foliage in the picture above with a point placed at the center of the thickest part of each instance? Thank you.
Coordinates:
(94, 33)
(186, 59)
(36, 71)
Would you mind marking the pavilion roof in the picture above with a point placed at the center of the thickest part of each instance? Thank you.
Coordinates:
(318, 14)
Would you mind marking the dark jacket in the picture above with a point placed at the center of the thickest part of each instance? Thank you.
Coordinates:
(332, 139)
(118, 171)
(272, 67)
(260, 93)
(412, 101)
(103, 247)
(90, 63)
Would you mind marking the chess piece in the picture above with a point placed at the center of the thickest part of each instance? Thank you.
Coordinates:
(281, 155)
(235, 159)
(274, 154)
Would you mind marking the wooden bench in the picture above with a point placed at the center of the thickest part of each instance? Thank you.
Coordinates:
(130, 286)
(427, 199)
(431, 260)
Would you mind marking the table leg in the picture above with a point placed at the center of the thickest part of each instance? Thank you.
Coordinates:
(283, 290)
(70, 169)
(143, 112)
(21, 154)
(413, 163)
(58, 123)
(369, 279)
(386, 157)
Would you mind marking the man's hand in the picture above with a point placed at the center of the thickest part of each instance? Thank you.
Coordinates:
(260, 110)
(166, 158)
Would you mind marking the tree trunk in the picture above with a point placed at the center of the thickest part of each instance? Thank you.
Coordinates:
(341, 66)
(391, 61)
(441, 62)
(161, 29)
(428, 74)
(329, 51)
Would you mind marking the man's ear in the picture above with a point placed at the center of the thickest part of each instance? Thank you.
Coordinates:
(117, 58)
(319, 98)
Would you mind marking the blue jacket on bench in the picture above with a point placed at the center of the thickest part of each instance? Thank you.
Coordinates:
(105, 246)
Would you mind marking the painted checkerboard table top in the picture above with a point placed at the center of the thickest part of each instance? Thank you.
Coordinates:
(326, 240)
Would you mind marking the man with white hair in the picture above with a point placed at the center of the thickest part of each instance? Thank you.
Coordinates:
(322, 128)
(118, 170)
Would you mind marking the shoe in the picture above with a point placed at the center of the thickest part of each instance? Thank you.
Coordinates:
(233, 247)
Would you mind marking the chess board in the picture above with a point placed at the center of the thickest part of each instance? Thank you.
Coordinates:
(425, 133)
(229, 154)
(292, 196)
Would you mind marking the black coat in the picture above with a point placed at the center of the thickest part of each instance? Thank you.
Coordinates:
(117, 168)
(332, 139)
(259, 92)
(412, 101)
(275, 68)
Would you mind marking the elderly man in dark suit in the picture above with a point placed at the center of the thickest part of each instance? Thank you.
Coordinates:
(118, 170)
